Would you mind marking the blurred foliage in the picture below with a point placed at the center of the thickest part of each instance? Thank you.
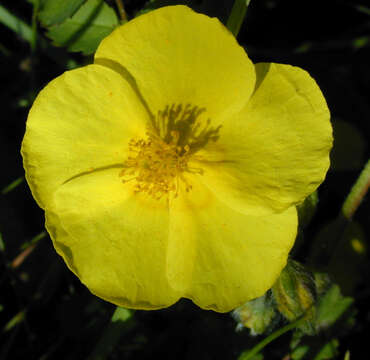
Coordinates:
(349, 146)
(307, 209)
(83, 32)
(53, 12)
(45, 312)
(258, 314)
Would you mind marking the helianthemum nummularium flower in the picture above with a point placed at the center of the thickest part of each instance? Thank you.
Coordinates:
(171, 166)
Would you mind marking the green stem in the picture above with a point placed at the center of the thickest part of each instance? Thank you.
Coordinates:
(256, 349)
(121, 10)
(357, 193)
(237, 16)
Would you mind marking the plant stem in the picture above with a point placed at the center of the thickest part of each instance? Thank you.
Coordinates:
(357, 193)
(121, 10)
(237, 16)
(256, 349)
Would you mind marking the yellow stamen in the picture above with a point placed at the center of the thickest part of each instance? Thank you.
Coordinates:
(156, 165)
(160, 161)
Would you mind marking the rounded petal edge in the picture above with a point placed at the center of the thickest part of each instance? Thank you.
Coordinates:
(176, 56)
(79, 122)
(234, 257)
(113, 241)
(275, 152)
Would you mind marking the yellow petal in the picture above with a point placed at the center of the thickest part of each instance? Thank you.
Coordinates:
(276, 151)
(176, 56)
(228, 257)
(80, 122)
(115, 241)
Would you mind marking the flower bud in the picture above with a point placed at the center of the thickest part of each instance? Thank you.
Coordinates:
(256, 314)
(295, 295)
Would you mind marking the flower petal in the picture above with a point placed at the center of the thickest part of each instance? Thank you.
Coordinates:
(230, 257)
(80, 122)
(176, 56)
(276, 151)
(113, 239)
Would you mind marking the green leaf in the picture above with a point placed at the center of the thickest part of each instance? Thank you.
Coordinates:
(360, 42)
(12, 185)
(34, 240)
(363, 9)
(237, 16)
(84, 31)
(244, 355)
(121, 322)
(315, 348)
(300, 352)
(14, 321)
(14, 23)
(56, 11)
(328, 351)
(331, 307)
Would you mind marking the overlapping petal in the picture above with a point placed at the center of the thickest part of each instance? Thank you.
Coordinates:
(176, 56)
(196, 248)
(80, 122)
(275, 152)
(114, 240)
(223, 240)
(234, 257)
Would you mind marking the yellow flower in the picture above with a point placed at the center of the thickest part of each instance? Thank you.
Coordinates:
(171, 166)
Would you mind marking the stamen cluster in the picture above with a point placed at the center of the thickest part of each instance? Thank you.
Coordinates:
(160, 161)
(156, 166)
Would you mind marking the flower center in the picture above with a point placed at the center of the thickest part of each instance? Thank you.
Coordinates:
(157, 166)
(158, 163)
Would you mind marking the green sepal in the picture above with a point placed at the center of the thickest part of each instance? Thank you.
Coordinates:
(334, 317)
(257, 314)
(295, 294)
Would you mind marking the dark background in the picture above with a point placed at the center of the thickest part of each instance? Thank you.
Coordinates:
(63, 320)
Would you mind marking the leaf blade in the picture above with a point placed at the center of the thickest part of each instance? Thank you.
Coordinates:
(84, 31)
(56, 11)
